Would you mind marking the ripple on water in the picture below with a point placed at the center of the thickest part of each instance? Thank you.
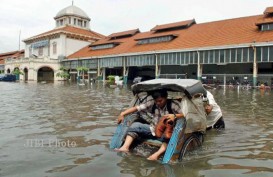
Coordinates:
(87, 115)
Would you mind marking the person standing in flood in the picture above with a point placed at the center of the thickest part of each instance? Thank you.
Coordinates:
(214, 114)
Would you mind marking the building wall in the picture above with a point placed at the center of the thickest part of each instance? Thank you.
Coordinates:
(58, 42)
(73, 45)
(33, 65)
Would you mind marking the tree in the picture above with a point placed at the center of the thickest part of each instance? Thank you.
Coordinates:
(82, 70)
(63, 73)
(17, 72)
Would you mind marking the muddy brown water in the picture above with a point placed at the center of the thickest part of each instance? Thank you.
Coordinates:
(64, 130)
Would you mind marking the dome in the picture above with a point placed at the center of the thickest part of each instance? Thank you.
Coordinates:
(72, 11)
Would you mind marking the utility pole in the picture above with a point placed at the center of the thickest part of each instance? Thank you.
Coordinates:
(19, 39)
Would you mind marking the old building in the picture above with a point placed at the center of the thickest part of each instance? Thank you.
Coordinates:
(232, 50)
(43, 52)
(8, 56)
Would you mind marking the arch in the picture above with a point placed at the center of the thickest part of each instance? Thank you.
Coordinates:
(8, 70)
(45, 74)
(25, 74)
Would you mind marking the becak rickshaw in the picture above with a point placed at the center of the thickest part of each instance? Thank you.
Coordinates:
(187, 132)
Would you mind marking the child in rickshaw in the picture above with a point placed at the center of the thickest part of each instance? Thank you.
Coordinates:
(164, 112)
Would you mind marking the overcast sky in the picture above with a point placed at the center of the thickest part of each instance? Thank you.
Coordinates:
(33, 17)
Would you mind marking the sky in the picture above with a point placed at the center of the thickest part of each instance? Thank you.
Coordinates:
(21, 19)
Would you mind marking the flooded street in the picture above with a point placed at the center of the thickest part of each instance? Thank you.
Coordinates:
(64, 130)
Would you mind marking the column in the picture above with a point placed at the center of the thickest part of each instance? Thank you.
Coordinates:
(157, 68)
(199, 67)
(125, 71)
(255, 67)
(103, 74)
(99, 72)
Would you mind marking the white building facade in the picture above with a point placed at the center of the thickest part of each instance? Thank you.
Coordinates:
(44, 52)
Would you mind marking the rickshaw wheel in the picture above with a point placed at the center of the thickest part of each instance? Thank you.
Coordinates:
(190, 144)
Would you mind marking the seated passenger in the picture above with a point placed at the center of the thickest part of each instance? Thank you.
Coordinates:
(159, 108)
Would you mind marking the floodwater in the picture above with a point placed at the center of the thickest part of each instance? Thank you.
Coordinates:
(64, 130)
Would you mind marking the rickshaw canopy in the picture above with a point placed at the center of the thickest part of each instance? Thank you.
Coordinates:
(188, 86)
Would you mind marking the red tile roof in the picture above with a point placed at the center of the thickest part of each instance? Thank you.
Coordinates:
(173, 25)
(264, 20)
(124, 33)
(157, 35)
(69, 30)
(13, 54)
(268, 10)
(219, 33)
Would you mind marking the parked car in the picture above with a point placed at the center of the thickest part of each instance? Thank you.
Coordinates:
(7, 77)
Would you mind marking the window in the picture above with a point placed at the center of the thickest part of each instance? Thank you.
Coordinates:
(201, 55)
(75, 21)
(187, 57)
(239, 55)
(258, 54)
(271, 53)
(40, 51)
(233, 55)
(267, 27)
(55, 48)
(206, 57)
(265, 53)
(156, 39)
(211, 57)
(222, 56)
(251, 55)
(30, 50)
(102, 46)
(245, 55)
(61, 22)
(84, 24)
(80, 22)
(227, 55)
(217, 55)
(69, 20)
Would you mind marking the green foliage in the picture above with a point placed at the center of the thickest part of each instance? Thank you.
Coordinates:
(110, 80)
(62, 68)
(63, 73)
(17, 72)
(82, 68)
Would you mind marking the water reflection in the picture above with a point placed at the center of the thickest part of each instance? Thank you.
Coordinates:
(86, 115)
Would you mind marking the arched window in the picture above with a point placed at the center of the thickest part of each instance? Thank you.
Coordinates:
(54, 48)
(40, 51)
(30, 50)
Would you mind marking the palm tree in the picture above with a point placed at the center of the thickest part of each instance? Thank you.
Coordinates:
(82, 70)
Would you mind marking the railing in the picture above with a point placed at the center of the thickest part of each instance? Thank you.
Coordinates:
(227, 79)
(236, 79)
(173, 76)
